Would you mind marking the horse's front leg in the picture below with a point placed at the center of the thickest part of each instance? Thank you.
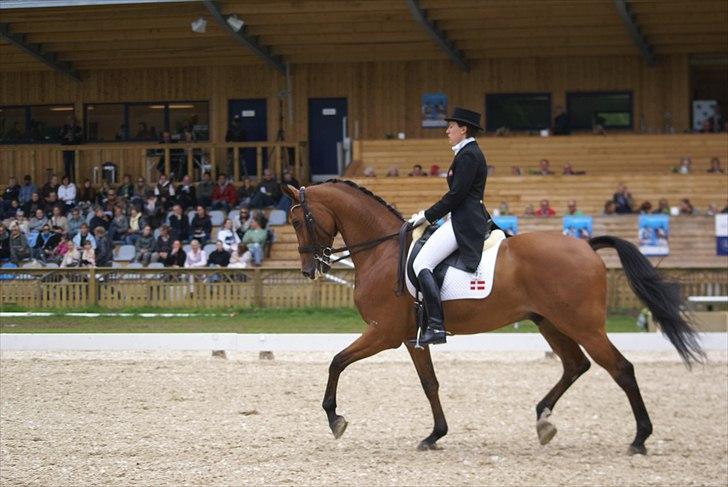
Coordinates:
(370, 343)
(423, 364)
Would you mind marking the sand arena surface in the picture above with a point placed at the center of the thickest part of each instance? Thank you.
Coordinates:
(140, 418)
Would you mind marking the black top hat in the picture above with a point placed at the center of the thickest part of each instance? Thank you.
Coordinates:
(468, 117)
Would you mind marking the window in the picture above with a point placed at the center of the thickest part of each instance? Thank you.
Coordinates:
(105, 122)
(46, 122)
(518, 111)
(13, 121)
(192, 116)
(610, 110)
(146, 121)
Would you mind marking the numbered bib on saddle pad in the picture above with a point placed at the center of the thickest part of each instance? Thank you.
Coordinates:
(454, 281)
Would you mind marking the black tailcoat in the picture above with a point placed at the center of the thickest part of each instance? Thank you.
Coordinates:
(464, 201)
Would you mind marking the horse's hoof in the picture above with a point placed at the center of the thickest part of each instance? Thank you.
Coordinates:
(546, 432)
(637, 450)
(426, 445)
(339, 427)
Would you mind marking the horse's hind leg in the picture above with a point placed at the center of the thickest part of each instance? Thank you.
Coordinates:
(426, 372)
(575, 364)
(605, 354)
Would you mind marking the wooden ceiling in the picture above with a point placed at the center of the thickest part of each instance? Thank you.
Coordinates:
(319, 31)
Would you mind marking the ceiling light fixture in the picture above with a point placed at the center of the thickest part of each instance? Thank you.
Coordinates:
(235, 23)
(199, 25)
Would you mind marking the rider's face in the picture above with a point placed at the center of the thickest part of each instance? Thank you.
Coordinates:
(455, 133)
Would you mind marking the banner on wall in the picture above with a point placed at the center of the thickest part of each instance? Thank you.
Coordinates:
(577, 226)
(434, 110)
(653, 233)
(508, 224)
(721, 234)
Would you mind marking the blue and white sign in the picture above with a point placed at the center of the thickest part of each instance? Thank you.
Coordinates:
(508, 223)
(653, 234)
(721, 234)
(434, 110)
(577, 226)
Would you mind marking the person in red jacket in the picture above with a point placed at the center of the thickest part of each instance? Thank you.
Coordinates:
(223, 194)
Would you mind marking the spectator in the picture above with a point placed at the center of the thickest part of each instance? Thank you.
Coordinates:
(223, 194)
(98, 220)
(201, 226)
(528, 211)
(58, 220)
(609, 208)
(104, 247)
(516, 171)
(241, 258)
(84, 236)
(88, 255)
(196, 257)
(715, 166)
(712, 209)
(153, 211)
(503, 209)
(22, 222)
(4, 243)
(163, 245)
(235, 132)
(568, 170)
(177, 256)
(12, 191)
(51, 201)
(144, 246)
(50, 187)
(164, 190)
(219, 257)
(179, 224)
(686, 208)
(287, 178)
(561, 122)
(623, 201)
(11, 209)
(87, 197)
(140, 189)
(663, 208)
(572, 210)
(44, 244)
(37, 221)
(246, 191)
(684, 166)
(35, 203)
(72, 257)
(544, 210)
(186, 194)
(73, 223)
(204, 190)
(393, 172)
(227, 236)
(268, 191)
(119, 226)
(435, 170)
(61, 249)
(67, 192)
(417, 171)
(255, 238)
(26, 190)
(369, 172)
(18, 243)
(490, 170)
(241, 224)
(136, 226)
(126, 190)
(645, 208)
(544, 168)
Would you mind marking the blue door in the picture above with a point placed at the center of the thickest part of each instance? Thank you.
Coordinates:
(253, 121)
(325, 129)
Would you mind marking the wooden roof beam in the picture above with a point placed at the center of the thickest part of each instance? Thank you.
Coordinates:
(246, 40)
(35, 50)
(635, 32)
(437, 35)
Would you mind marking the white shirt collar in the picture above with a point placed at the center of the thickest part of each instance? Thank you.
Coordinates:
(456, 148)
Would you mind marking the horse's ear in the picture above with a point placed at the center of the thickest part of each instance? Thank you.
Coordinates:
(291, 192)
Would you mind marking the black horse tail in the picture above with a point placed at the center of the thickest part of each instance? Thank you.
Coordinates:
(661, 298)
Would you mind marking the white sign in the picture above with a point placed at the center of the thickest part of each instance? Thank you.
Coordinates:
(248, 113)
(721, 225)
(328, 111)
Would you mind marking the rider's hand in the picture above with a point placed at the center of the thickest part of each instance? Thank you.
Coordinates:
(417, 219)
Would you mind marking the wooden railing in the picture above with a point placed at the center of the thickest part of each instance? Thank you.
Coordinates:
(141, 159)
(124, 288)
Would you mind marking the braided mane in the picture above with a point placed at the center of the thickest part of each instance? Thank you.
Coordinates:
(367, 192)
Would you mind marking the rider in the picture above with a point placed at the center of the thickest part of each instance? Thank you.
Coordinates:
(467, 225)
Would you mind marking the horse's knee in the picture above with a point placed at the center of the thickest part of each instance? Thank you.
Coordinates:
(624, 373)
(337, 364)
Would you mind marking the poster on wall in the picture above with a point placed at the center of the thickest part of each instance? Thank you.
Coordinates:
(434, 110)
(508, 224)
(721, 234)
(653, 233)
(577, 226)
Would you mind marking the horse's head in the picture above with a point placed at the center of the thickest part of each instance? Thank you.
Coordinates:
(315, 230)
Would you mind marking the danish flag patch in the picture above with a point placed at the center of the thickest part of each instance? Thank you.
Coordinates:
(476, 285)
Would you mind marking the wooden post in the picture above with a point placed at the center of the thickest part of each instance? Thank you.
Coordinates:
(92, 297)
(258, 288)
(236, 163)
(190, 162)
(213, 163)
(167, 161)
(297, 163)
(77, 163)
(259, 161)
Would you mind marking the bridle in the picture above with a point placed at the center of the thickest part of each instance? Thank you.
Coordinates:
(322, 253)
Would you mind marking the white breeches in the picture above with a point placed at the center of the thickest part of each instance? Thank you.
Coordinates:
(441, 244)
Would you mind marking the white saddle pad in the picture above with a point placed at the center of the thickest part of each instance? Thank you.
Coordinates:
(465, 285)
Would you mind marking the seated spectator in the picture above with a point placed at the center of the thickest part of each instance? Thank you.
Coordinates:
(11, 191)
(287, 178)
(246, 191)
(227, 236)
(110, 202)
(83, 236)
(51, 201)
(609, 208)
(11, 209)
(241, 257)
(22, 221)
(417, 171)
(4, 243)
(571, 209)
(623, 201)
(435, 171)
(516, 171)
(544, 168)
(268, 191)
(144, 246)
(284, 202)
(164, 190)
(104, 247)
(223, 194)
(87, 197)
(126, 190)
(392, 172)
(18, 243)
(712, 209)
(490, 170)
(201, 226)
(163, 245)
(88, 255)
(176, 256)
(663, 207)
(544, 210)
(153, 210)
(686, 208)
(369, 172)
(503, 209)
(73, 222)
(715, 166)
(218, 257)
(140, 191)
(35, 203)
(37, 221)
(44, 244)
(684, 166)
(645, 208)
(61, 248)
(255, 239)
(186, 194)
(137, 222)
(196, 257)
(242, 222)
(561, 122)
(26, 190)
(119, 227)
(67, 192)
(179, 224)
(57, 219)
(569, 171)
(72, 257)
(204, 190)
(50, 187)
(98, 220)
(528, 211)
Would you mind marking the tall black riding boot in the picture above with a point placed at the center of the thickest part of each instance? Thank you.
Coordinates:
(435, 332)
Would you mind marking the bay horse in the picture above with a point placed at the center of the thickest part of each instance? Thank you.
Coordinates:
(556, 281)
